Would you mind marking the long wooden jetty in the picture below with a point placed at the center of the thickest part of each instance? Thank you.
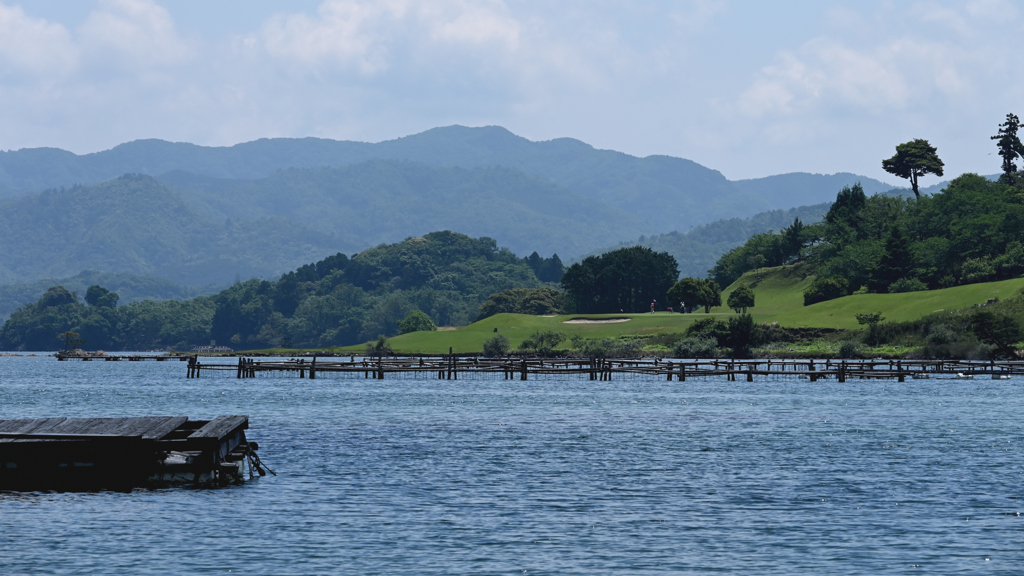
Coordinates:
(122, 453)
(122, 357)
(453, 367)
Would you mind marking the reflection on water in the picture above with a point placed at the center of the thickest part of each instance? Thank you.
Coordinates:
(480, 476)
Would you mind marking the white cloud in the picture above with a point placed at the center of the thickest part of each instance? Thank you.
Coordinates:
(884, 78)
(371, 35)
(472, 23)
(34, 46)
(137, 32)
(348, 32)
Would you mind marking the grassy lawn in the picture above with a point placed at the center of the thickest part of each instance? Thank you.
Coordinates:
(516, 327)
(776, 291)
(779, 298)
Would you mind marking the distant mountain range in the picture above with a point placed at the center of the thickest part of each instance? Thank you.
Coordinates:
(205, 215)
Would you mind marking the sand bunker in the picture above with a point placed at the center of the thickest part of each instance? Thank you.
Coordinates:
(596, 320)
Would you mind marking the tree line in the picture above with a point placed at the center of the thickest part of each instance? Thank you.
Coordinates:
(972, 231)
(340, 300)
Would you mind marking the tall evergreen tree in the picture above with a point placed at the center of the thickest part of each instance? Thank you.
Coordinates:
(896, 262)
(1010, 146)
(792, 240)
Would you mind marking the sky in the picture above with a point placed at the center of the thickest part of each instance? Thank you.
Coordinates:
(749, 88)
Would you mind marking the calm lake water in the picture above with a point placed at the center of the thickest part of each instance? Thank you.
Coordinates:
(549, 476)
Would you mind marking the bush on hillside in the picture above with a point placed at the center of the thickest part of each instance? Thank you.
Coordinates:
(696, 347)
(826, 289)
(416, 321)
(848, 350)
(742, 335)
(608, 347)
(542, 343)
(497, 346)
(977, 270)
(907, 285)
(534, 301)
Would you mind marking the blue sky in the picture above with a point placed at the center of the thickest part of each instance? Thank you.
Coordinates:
(748, 88)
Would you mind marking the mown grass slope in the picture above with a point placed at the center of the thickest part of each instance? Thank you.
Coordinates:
(517, 327)
(776, 290)
(779, 298)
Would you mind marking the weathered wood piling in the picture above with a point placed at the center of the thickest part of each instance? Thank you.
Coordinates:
(451, 366)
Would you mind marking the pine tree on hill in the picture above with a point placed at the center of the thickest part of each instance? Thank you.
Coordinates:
(896, 262)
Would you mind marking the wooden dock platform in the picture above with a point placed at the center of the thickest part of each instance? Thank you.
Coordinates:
(71, 454)
(122, 357)
(453, 367)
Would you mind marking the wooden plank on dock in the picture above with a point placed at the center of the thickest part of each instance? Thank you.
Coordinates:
(160, 426)
(220, 427)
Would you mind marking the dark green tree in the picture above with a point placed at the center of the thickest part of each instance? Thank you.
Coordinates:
(710, 295)
(416, 321)
(96, 329)
(381, 347)
(71, 340)
(843, 219)
(793, 240)
(534, 261)
(540, 302)
(94, 293)
(542, 343)
(1010, 146)
(688, 292)
(1001, 332)
(496, 346)
(896, 262)
(912, 160)
(741, 335)
(288, 294)
(823, 289)
(741, 299)
(551, 269)
(627, 280)
(536, 302)
(872, 319)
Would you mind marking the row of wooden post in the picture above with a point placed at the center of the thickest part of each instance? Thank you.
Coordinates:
(597, 368)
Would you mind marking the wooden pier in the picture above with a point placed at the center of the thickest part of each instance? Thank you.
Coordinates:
(452, 367)
(71, 454)
(122, 357)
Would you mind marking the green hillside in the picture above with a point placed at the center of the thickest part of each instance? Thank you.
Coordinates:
(517, 327)
(135, 225)
(388, 200)
(779, 294)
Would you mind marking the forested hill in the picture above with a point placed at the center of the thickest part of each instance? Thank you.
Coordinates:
(386, 200)
(970, 232)
(335, 301)
(662, 193)
(213, 232)
(698, 250)
(135, 224)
